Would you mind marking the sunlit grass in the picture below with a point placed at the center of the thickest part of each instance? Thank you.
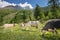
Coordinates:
(16, 33)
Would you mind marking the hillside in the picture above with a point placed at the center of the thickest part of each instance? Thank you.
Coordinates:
(7, 15)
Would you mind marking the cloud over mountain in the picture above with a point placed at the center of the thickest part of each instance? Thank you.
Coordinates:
(4, 3)
(25, 5)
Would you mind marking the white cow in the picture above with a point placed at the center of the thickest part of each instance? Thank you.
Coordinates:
(34, 23)
(24, 25)
(30, 24)
(5, 26)
(8, 25)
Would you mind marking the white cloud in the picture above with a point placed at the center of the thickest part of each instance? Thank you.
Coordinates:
(25, 5)
(4, 3)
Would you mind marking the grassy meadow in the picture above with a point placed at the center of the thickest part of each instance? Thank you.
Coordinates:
(16, 33)
(22, 14)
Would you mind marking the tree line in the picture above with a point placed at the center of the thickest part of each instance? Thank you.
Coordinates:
(52, 11)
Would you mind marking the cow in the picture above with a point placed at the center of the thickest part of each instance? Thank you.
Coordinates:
(5, 26)
(51, 26)
(24, 25)
(9, 25)
(31, 24)
(34, 23)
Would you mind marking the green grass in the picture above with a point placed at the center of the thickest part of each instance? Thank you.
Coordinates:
(17, 33)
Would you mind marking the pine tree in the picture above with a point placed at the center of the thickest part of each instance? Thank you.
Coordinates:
(54, 5)
(38, 13)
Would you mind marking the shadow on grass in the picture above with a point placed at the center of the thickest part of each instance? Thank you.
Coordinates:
(50, 37)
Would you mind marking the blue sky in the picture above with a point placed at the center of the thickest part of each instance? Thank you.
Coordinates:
(42, 3)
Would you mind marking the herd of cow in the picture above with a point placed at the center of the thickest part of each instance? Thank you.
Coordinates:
(51, 25)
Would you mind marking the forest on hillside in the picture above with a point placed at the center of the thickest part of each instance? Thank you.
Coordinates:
(52, 11)
(17, 23)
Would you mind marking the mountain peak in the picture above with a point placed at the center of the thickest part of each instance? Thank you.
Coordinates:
(16, 7)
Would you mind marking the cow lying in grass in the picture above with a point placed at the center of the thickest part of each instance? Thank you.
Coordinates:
(51, 26)
(5, 26)
(9, 25)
